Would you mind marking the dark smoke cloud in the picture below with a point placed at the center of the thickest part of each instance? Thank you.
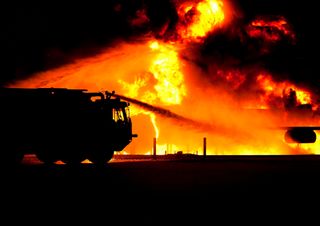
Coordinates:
(233, 49)
(285, 59)
(50, 34)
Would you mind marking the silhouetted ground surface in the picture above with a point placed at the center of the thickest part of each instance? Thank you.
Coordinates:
(139, 189)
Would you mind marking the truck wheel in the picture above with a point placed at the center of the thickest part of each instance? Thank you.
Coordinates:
(100, 158)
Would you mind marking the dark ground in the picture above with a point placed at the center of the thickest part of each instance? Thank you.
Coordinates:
(164, 191)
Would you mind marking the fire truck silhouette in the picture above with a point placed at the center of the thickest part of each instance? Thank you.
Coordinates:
(70, 125)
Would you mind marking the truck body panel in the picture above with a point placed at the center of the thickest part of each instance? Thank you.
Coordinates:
(64, 124)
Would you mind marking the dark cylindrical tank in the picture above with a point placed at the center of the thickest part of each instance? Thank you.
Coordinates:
(300, 135)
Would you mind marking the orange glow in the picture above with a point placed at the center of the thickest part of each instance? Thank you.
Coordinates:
(59, 163)
(315, 149)
(164, 149)
(278, 89)
(153, 121)
(154, 72)
(199, 19)
(303, 97)
(166, 69)
(309, 148)
(232, 130)
(169, 87)
(86, 161)
(234, 78)
(270, 29)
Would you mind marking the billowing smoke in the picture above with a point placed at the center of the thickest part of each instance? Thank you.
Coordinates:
(53, 41)
(230, 79)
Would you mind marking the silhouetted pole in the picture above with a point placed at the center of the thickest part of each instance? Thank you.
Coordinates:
(154, 147)
(204, 146)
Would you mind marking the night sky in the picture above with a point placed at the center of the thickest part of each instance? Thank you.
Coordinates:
(49, 34)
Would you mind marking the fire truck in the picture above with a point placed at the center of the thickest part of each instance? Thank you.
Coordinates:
(70, 125)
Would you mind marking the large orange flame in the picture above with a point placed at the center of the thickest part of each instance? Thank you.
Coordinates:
(199, 19)
(153, 72)
(166, 69)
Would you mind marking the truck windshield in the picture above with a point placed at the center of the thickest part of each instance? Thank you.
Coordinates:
(119, 114)
(127, 110)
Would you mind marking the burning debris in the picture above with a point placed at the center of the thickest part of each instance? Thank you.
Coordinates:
(270, 29)
(211, 90)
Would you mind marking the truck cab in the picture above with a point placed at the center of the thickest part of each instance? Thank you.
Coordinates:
(70, 125)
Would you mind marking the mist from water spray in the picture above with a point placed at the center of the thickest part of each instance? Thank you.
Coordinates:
(181, 120)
